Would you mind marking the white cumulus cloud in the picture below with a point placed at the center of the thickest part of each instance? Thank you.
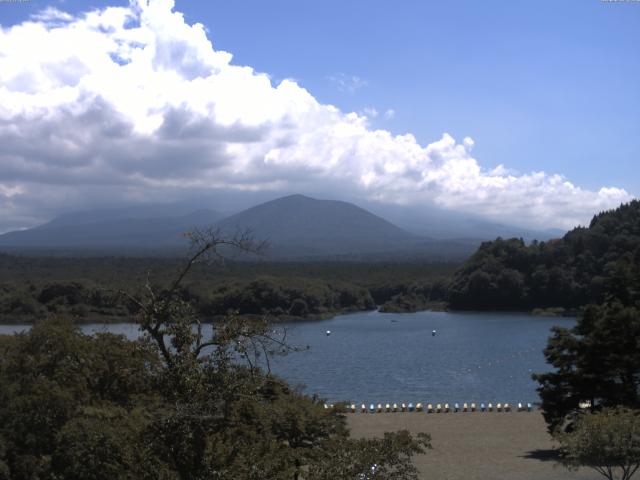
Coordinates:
(132, 103)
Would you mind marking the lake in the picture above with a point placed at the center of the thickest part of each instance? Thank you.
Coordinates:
(373, 357)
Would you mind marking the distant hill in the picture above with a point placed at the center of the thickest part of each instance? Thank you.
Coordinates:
(303, 225)
(137, 212)
(112, 230)
(587, 265)
(297, 227)
(435, 222)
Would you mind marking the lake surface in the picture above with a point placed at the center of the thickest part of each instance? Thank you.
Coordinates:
(374, 357)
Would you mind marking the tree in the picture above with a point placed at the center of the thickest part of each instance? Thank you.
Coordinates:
(387, 458)
(607, 441)
(594, 264)
(232, 421)
(69, 401)
(596, 362)
(183, 403)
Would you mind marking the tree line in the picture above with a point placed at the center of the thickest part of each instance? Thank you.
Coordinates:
(276, 297)
(85, 289)
(588, 265)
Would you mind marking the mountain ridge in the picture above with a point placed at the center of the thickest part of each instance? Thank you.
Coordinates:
(297, 227)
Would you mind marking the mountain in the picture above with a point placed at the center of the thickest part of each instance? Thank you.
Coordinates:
(110, 229)
(137, 212)
(303, 225)
(300, 227)
(296, 227)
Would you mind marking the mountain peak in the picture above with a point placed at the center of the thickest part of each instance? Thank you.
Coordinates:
(319, 226)
(295, 197)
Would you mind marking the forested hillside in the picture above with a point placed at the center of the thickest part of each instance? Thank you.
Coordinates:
(587, 265)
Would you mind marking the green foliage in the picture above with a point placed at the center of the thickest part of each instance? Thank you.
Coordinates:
(176, 404)
(85, 290)
(99, 443)
(607, 441)
(596, 361)
(387, 458)
(418, 296)
(99, 407)
(53, 381)
(289, 296)
(82, 302)
(588, 265)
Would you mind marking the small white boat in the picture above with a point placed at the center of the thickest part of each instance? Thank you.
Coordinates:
(328, 332)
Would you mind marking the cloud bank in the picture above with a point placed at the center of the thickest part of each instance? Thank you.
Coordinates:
(132, 104)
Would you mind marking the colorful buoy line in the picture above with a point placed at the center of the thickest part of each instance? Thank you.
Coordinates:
(435, 408)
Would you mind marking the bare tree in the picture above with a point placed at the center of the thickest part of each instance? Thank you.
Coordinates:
(174, 325)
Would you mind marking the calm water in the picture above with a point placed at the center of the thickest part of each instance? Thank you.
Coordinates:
(376, 357)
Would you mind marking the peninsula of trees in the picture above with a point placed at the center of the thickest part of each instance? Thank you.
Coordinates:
(588, 265)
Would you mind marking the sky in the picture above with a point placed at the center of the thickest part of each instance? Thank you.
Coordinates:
(524, 112)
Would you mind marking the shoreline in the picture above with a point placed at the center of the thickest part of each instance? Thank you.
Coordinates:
(283, 319)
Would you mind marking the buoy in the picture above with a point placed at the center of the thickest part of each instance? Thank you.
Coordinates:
(328, 332)
(433, 333)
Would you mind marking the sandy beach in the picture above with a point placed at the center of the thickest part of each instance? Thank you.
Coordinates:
(476, 446)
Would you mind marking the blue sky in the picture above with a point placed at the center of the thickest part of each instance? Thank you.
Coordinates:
(538, 85)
